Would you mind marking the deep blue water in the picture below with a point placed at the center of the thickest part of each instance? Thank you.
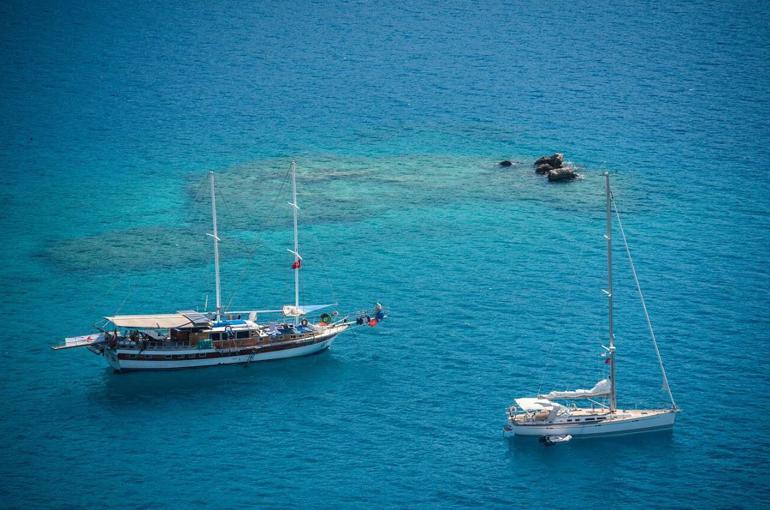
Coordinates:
(113, 113)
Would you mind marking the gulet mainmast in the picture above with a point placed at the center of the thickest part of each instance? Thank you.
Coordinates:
(215, 236)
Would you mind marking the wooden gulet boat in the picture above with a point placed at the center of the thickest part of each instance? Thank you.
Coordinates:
(544, 417)
(189, 338)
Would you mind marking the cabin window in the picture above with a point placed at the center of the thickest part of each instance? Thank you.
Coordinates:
(242, 334)
(216, 336)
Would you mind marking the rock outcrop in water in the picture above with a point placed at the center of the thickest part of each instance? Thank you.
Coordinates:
(562, 174)
(554, 161)
(505, 163)
(552, 166)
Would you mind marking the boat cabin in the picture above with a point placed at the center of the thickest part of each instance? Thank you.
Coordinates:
(197, 330)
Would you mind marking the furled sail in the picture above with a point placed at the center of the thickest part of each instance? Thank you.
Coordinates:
(600, 389)
(297, 311)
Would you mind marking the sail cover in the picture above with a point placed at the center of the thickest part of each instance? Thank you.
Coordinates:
(600, 389)
(297, 311)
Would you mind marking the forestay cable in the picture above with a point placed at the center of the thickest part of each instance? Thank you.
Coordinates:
(644, 305)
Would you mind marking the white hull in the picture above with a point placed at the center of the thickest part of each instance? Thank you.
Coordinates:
(210, 357)
(623, 422)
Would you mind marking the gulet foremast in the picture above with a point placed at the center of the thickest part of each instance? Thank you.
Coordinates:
(298, 258)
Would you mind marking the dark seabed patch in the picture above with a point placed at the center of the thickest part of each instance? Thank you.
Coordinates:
(139, 249)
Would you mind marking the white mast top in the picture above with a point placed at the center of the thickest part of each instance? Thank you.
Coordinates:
(608, 236)
(298, 260)
(215, 235)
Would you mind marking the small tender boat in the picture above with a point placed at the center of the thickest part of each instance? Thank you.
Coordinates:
(552, 440)
(189, 338)
(543, 416)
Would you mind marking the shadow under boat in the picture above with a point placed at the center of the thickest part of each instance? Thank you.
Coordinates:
(147, 386)
(648, 440)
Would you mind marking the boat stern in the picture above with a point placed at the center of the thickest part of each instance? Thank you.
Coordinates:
(509, 429)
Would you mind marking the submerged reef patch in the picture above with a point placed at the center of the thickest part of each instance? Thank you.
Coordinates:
(139, 249)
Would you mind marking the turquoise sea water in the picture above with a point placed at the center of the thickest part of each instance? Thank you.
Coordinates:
(112, 115)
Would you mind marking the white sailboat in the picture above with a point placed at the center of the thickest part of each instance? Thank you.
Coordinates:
(190, 338)
(545, 417)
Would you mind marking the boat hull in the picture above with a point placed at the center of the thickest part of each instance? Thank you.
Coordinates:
(126, 360)
(628, 422)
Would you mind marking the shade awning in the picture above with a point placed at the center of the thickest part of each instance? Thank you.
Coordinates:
(536, 404)
(158, 321)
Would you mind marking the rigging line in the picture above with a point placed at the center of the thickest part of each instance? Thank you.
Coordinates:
(130, 289)
(644, 305)
(131, 282)
(196, 220)
(274, 209)
(201, 187)
(193, 220)
(197, 224)
(128, 294)
(323, 263)
(545, 369)
(259, 247)
(202, 215)
(115, 283)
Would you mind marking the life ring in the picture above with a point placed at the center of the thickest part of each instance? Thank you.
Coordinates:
(304, 322)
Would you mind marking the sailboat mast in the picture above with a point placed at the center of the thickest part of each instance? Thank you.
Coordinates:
(295, 207)
(215, 236)
(608, 236)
